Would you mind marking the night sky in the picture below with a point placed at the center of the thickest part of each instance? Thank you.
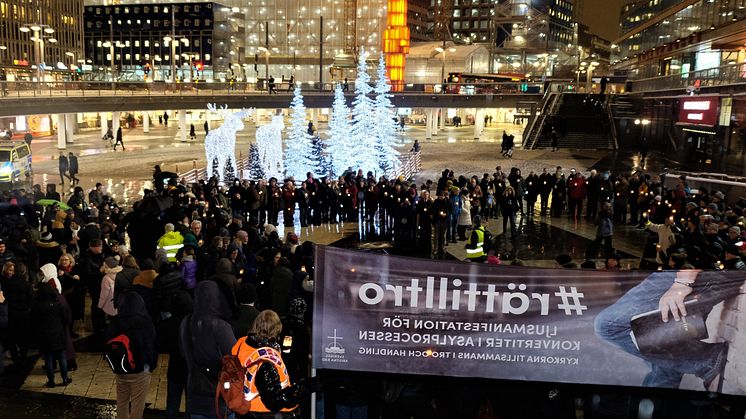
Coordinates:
(603, 17)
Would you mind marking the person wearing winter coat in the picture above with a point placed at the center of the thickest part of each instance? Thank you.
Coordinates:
(133, 321)
(508, 208)
(3, 325)
(168, 342)
(275, 393)
(49, 276)
(20, 296)
(48, 249)
(204, 338)
(189, 269)
(666, 237)
(464, 218)
(49, 322)
(123, 280)
(280, 286)
(108, 283)
(143, 285)
(166, 285)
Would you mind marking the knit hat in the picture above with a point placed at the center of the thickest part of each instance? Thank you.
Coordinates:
(292, 238)
(719, 195)
(298, 307)
(268, 229)
(111, 263)
(46, 236)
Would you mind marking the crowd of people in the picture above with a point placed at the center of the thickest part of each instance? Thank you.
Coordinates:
(191, 267)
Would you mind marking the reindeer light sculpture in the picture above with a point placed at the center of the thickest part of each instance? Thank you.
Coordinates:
(269, 143)
(220, 143)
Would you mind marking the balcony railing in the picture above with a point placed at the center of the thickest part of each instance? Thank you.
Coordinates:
(24, 89)
(710, 77)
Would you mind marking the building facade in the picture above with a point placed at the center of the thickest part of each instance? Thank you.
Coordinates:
(41, 38)
(684, 65)
(197, 41)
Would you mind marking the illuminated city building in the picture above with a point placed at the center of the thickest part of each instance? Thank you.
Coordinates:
(41, 38)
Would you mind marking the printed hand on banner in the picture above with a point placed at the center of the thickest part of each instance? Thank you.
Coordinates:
(673, 299)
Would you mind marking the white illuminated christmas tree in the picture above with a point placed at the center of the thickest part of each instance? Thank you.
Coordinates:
(255, 164)
(363, 132)
(339, 146)
(298, 148)
(385, 122)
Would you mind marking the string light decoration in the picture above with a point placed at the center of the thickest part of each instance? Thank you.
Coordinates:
(298, 148)
(363, 122)
(340, 151)
(220, 143)
(269, 144)
(385, 122)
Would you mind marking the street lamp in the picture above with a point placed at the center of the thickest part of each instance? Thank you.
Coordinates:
(266, 64)
(442, 50)
(38, 39)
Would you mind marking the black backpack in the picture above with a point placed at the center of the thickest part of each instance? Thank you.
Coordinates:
(120, 355)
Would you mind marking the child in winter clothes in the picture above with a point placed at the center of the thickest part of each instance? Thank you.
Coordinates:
(106, 299)
(189, 268)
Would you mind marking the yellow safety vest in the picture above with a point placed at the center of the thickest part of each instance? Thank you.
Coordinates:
(476, 250)
(171, 242)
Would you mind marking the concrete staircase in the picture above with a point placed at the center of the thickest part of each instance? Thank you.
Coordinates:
(582, 121)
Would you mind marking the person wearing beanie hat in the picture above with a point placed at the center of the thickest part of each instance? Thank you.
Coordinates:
(296, 339)
(106, 299)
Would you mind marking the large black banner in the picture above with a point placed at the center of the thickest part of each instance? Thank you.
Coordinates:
(392, 314)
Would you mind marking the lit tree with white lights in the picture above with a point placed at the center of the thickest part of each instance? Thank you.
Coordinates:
(255, 163)
(363, 122)
(298, 145)
(339, 148)
(384, 122)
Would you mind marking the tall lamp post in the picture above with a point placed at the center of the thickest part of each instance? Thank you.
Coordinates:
(442, 50)
(39, 33)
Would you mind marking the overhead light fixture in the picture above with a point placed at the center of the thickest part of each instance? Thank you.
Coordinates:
(24, 29)
(36, 28)
(48, 30)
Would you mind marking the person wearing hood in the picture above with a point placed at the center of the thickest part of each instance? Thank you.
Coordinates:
(133, 321)
(50, 322)
(247, 310)
(226, 279)
(108, 284)
(168, 342)
(204, 338)
(50, 276)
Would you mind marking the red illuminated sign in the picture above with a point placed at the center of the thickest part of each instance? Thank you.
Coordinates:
(699, 111)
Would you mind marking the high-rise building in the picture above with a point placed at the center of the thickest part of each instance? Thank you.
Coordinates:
(309, 39)
(136, 41)
(41, 38)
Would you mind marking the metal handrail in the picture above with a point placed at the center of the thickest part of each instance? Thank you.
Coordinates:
(613, 125)
(24, 89)
(709, 77)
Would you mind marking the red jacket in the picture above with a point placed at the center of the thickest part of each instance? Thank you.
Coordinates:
(577, 187)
